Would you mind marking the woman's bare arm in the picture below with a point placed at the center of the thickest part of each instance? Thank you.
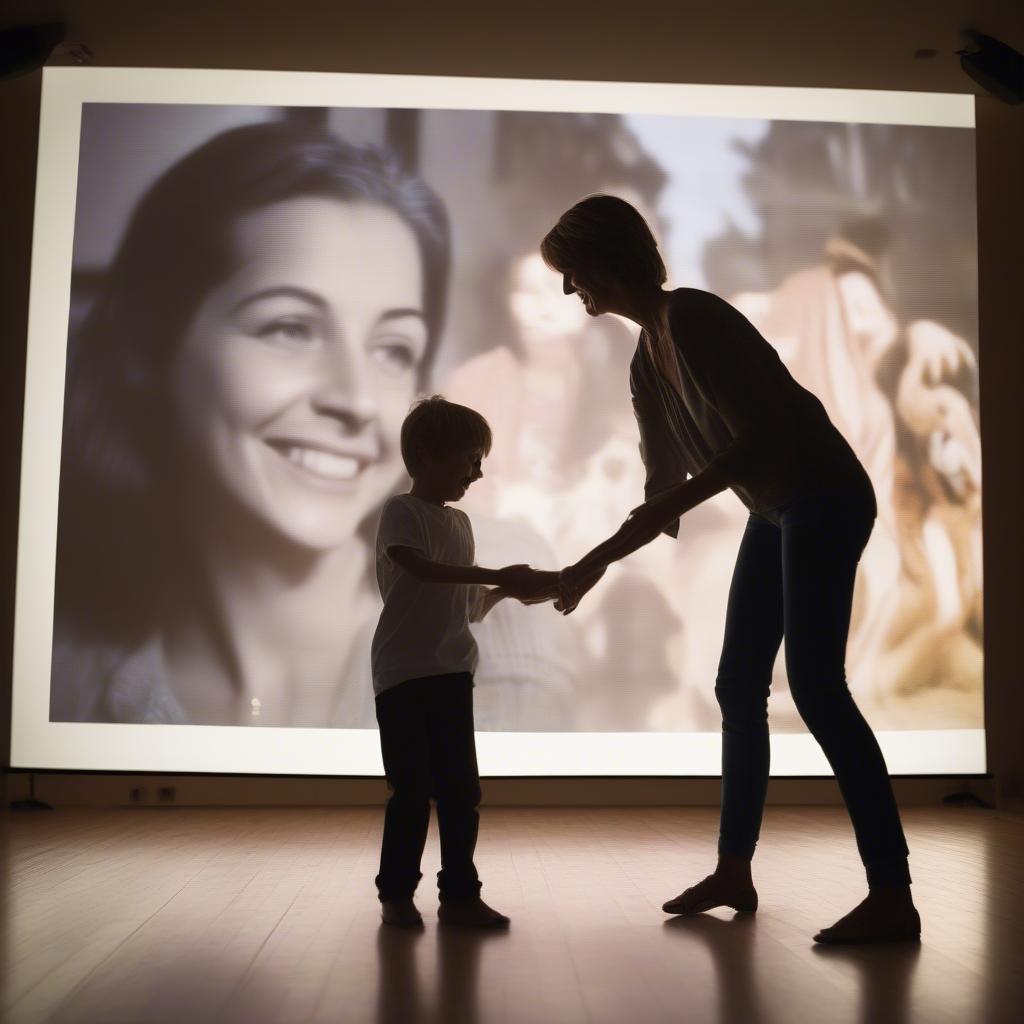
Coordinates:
(642, 526)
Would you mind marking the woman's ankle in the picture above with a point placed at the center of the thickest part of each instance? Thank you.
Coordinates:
(734, 869)
(895, 894)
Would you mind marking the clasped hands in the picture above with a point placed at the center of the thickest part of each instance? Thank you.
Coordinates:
(536, 586)
(567, 587)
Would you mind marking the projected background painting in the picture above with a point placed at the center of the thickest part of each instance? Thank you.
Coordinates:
(231, 418)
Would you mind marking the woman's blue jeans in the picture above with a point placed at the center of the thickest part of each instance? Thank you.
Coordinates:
(794, 579)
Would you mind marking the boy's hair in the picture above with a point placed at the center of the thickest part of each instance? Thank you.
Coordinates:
(607, 236)
(436, 426)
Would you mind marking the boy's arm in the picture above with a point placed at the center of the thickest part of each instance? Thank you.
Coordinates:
(547, 589)
(518, 580)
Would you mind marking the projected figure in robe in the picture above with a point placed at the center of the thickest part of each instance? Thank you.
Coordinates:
(931, 650)
(233, 407)
(718, 409)
(832, 328)
(902, 398)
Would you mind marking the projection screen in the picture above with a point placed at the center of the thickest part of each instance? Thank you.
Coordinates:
(195, 574)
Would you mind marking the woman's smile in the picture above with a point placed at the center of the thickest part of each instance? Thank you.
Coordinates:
(570, 285)
(293, 382)
(323, 464)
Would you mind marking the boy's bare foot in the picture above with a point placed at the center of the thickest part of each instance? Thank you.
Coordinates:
(473, 913)
(401, 913)
(714, 891)
(886, 915)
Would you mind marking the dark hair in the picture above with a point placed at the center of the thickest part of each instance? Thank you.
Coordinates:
(116, 447)
(436, 426)
(608, 237)
(859, 245)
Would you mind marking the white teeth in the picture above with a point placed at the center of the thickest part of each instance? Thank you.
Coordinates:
(325, 464)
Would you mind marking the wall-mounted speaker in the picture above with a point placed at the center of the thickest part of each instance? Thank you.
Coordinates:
(996, 67)
(25, 48)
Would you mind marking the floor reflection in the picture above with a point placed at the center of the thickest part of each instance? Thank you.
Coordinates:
(731, 945)
(755, 973)
(405, 994)
(885, 978)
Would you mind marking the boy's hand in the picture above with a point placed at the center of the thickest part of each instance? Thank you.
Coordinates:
(490, 599)
(513, 577)
(526, 584)
(545, 587)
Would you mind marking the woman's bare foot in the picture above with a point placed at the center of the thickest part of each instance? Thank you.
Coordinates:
(473, 913)
(710, 893)
(886, 915)
(730, 886)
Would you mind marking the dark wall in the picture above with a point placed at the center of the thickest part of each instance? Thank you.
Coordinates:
(19, 124)
(817, 45)
(1001, 362)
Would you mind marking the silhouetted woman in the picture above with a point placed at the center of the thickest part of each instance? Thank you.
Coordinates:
(717, 408)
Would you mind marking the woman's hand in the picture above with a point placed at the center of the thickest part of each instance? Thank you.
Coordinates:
(573, 584)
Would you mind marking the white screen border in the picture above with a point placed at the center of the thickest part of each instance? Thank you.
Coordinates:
(39, 743)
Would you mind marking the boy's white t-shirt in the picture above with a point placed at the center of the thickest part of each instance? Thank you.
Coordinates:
(424, 627)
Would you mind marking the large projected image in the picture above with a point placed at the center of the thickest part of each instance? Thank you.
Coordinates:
(258, 293)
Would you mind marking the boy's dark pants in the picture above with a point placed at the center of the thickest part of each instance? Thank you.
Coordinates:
(429, 750)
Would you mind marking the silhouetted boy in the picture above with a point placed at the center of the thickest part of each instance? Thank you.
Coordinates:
(423, 660)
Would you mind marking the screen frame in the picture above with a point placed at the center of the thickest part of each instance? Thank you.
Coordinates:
(37, 743)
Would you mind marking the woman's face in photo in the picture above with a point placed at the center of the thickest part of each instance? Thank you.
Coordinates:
(296, 371)
(538, 306)
(868, 317)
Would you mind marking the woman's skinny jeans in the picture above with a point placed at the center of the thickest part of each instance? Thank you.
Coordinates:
(794, 578)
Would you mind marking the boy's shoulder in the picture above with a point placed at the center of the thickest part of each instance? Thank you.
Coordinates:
(422, 510)
(397, 500)
(462, 516)
(398, 515)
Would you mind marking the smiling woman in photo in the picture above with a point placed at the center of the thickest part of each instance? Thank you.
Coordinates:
(232, 415)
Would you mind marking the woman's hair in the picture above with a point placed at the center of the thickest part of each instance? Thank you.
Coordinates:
(118, 440)
(608, 237)
(437, 427)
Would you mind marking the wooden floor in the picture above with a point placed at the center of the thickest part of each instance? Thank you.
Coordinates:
(192, 915)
